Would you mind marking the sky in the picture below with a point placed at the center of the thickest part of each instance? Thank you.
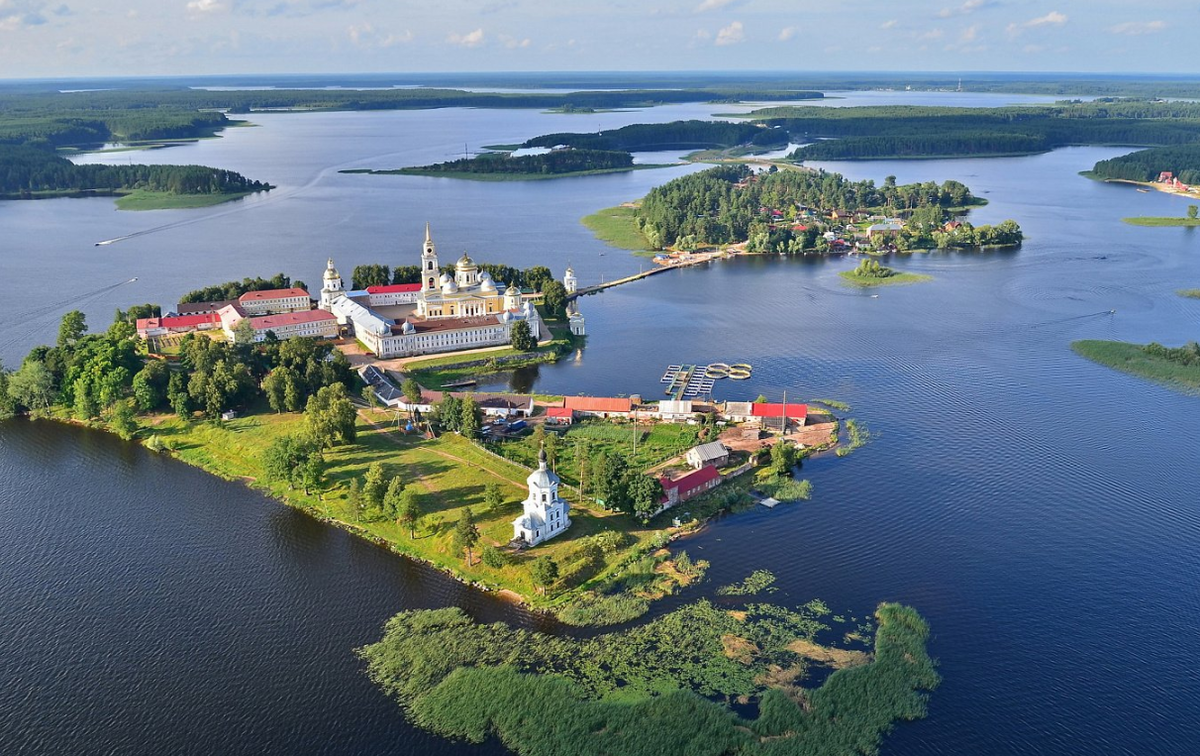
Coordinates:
(65, 38)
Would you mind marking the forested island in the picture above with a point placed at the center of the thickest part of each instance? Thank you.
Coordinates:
(544, 695)
(904, 131)
(28, 172)
(809, 212)
(645, 137)
(501, 166)
(871, 273)
(1148, 165)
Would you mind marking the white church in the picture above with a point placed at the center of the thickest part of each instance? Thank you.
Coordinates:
(545, 515)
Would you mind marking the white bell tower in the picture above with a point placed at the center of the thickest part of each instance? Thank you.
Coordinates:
(331, 286)
(569, 282)
(429, 264)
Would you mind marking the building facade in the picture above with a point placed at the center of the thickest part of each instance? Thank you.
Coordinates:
(452, 313)
(545, 514)
(275, 301)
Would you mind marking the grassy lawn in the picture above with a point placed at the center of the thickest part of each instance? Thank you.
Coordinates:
(1130, 358)
(449, 472)
(1162, 222)
(617, 226)
(655, 444)
(896, 279)
(145, 200)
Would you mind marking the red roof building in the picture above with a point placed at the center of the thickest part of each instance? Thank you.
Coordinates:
(598, 405)
(772, 414)
(276, 322)
(394, 289)
(560, 415)
(267, 294)
(178, 324)
(692, 484)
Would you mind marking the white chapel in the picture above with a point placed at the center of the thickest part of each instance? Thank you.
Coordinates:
(545, 514)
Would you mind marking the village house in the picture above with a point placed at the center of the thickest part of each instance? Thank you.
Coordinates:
(597, 406)
(559, 416)
(506, 406)
(675, 411)
(712, 453)
(312, 324)
(691, 485)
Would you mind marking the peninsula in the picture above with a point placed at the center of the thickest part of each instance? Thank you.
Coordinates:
(1173, 367)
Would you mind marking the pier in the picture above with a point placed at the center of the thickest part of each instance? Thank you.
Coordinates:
(696, 259)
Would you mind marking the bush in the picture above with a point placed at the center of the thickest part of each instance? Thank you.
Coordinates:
(494, 557)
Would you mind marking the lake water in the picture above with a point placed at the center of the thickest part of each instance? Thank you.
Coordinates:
(1033, 506)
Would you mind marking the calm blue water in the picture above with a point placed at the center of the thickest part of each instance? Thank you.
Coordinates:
(1036, 508)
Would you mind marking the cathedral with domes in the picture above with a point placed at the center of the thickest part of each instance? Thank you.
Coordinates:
(441, 313)
(545, 515)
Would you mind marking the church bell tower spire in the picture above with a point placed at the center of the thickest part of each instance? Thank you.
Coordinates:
(429, 263)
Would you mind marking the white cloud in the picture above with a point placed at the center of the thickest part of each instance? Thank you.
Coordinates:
(970, 33)
(788, 33)
(931, 34)
(512, 43)
(470, 39)
(731, 35)
(888, 24)
(1134, 28)
(206, 6)
(1053, 18)
(712, 5)
(970, 6)
(15, 14)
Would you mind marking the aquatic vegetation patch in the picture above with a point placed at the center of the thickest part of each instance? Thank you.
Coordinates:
(1174, 367)
(759, 581)
(655, 689)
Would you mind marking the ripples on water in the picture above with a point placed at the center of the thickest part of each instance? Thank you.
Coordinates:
(1037, 508)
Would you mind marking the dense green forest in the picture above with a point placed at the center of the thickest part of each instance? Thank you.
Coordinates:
(234, 289)
(1146, 165)
(544, 695)
(22, 124)
(723, 206)
(921, 131)
(151, 103)
(26, 171)
(98, 374)
(555, 162)
(665, 136)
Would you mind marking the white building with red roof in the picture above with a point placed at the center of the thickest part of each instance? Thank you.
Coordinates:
(274, 301)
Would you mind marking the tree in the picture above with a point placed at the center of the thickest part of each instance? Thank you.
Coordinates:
(543, 571)
(71, 329)
(178, 397)
(411, 390)
(311, 472)
(85, 406)
(470, 417)
(645, 494)
(354, 498)
(761, 399)
(244, 333)
(493, 498)
(393, 499)
(375, 486)
(368, 395)
(554, 297)
(551, 447)
(783, 458)
(537, 276)
(521, 336)
(1193, 211)
(408, 511)
(8, 407)
(466, 533)
(121, 419)
(609, 481)
(330, 416)
(493, 557)
(150, 384)
(449, 412)
(32, 386)
(285, 458)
